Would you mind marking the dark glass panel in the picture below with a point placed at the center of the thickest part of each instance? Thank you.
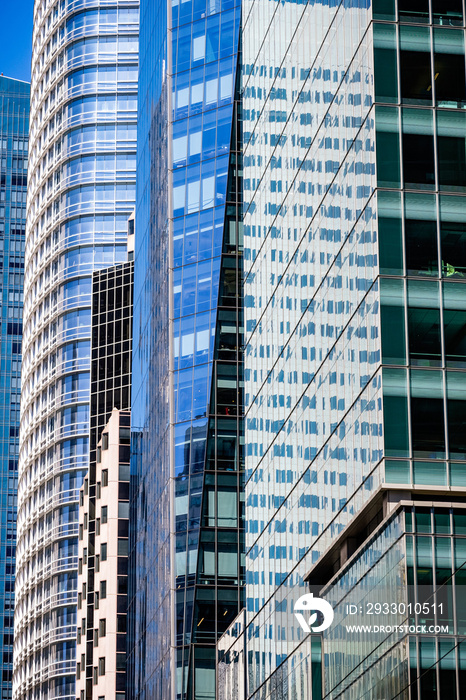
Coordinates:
(456, 411)
(418, 149)
(451, 146)
(415, 65)
(424, 324)
(385, 63)
(392, 313)
(421, 234)
(413, 10)
(449, 69)
(395, 413)
(389, 230)
(387, 147)
(427, 414)
(447, 12)
(383, 9)
(454, 324)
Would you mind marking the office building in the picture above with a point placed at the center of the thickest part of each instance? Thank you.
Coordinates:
(81, 192)
(186, 511)
(355, 311)
(14, 129)
(103, 548)
(111, 345)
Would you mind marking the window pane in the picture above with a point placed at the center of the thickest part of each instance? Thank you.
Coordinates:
(421, 234)
(456, 405)
(395, 413)
(392, 314)
(413, 10)
(418, 149)
(449, 72)
(427, 414)
(447, 12)
(385, 63)
(453, 237)
(454, 320)
(389, 229)
(451, 145)
(415, 66)
(424, 324)
(387, 147)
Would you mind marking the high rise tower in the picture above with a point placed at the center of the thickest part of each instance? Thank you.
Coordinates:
(354, 361)
(14, 130)
(81, 192)
(186, 401)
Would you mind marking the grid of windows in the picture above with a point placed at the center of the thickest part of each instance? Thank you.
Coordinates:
(81, 190)
(14, 128)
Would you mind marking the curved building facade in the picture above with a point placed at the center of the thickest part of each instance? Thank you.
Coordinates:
(82, 157)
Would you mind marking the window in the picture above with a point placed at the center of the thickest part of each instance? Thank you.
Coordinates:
(103, 589)
(85, 521)
(105, 477)
(80, 600)
(97, 563)
(105, 441)
(102, 666)
(121, 662)
(97, 526)
(96, 601)
(78, 671)
(81, 532)
(102, 628)
(96, 638)
(123, 509)
(122, 547)
(97, 490)
(95, 675)
(103, 551)
(85, 556)
(104, 514)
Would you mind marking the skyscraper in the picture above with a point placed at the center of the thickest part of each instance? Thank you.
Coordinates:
(187, 379)
(354, 224)
(14, 129)
(81, 192)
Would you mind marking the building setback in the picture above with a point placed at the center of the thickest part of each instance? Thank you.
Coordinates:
(355, 319)
(14, 130)
(81, 192)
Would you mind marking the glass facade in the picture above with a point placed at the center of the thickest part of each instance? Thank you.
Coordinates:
(14, 130)
(82, 157)
(353, 365)
(187, 375)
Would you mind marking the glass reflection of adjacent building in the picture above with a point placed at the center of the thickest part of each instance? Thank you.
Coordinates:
(186, 512)
(14, 131)
(81, 190)
(355, 318)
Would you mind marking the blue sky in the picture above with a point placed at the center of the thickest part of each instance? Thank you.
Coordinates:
(15, 38)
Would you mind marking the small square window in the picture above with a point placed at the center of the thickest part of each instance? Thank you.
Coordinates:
(102, 627)
(102, 666)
